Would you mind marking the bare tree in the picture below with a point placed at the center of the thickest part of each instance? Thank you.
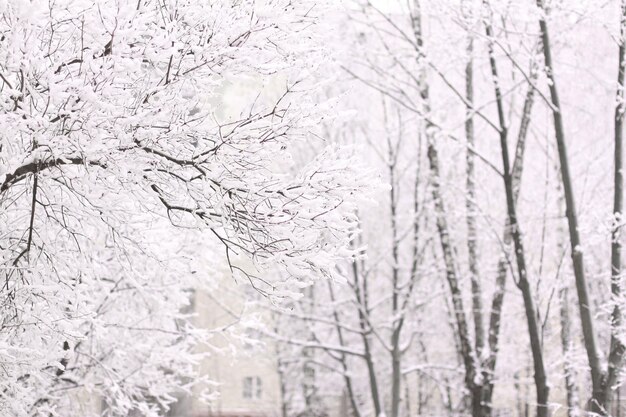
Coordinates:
(603, 377)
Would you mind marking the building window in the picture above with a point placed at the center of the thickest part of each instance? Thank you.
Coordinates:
(252, 387)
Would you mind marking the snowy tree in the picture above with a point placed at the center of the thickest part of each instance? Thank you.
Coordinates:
(118, 160)
(474, 85)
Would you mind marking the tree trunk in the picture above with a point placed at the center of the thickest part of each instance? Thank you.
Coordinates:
(617, 348)
(569, 370)
(362, 300)
(395, 277)
(603, 382)
(479, 390)
(451, 271)
(566, 342)
(502, 269)
(342, 357)
(584, 302)
(449, 254)
(470, 207)
(541, 385)
(395, 373)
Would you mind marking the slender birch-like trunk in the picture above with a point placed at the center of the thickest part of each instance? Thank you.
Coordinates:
(361, 292)
(342, 357)
(616, 347)
(603, 381)
(541, 384)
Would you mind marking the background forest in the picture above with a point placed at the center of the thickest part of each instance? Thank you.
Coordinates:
(425, 197)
